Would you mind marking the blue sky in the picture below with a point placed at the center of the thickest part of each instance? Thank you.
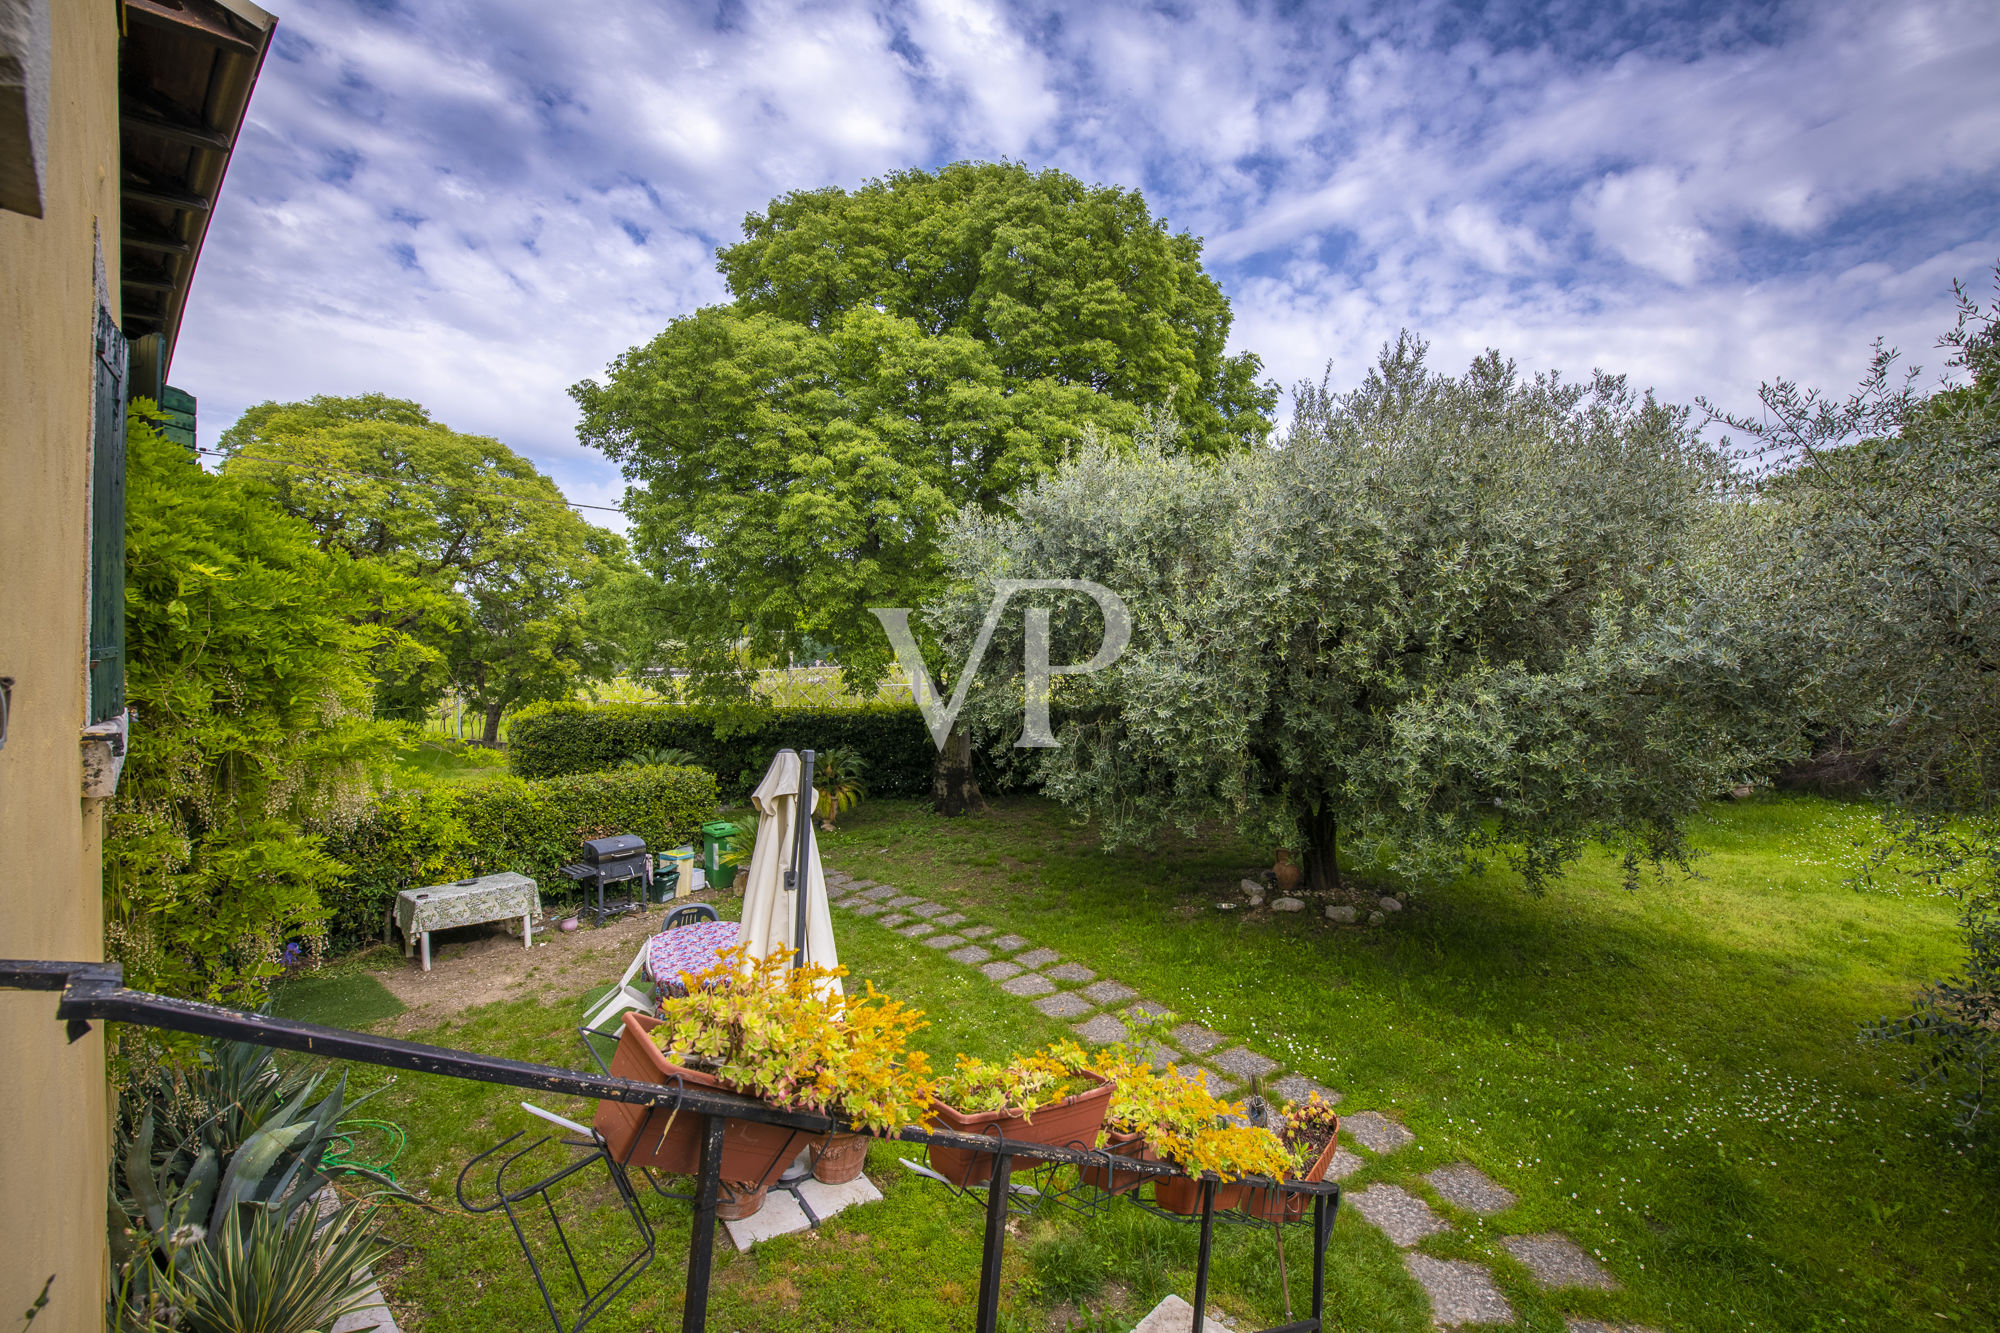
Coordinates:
(477, 204)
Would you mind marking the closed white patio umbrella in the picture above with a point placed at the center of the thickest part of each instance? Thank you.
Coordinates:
(770, 904)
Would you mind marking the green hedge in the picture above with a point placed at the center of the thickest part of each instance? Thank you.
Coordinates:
(736, 744)
(434, 835)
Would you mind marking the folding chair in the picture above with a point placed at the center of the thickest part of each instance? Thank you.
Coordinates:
(600, 1027)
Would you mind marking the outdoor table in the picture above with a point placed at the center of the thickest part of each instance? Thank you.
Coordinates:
(469, 901)
(687, 949)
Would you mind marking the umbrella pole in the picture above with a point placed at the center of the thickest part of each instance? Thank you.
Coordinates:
(801, 852)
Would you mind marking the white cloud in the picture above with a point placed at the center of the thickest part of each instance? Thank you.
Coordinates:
(477, 211)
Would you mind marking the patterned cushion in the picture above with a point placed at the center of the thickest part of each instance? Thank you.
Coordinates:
(687, 949)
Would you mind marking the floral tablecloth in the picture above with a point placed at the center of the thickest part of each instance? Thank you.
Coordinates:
(687, 949)
(469, 901)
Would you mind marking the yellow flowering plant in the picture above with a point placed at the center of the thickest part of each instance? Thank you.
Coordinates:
(1179, 1117)
(1025, 1084)
(782, 1034)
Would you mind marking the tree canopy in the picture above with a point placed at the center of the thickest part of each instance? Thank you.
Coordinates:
(506, 562)
(929, 341)
(1449, 615)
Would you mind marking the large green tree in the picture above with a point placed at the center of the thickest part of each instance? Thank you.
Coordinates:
(1450, 616)
(929, 341)
(507, 562)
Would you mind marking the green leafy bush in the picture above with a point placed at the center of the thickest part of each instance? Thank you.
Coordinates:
(432, 836)
(734, 742)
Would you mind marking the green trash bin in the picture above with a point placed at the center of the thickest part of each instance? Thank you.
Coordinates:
(715, 838)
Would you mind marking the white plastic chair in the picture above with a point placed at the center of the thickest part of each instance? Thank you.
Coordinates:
(605, 1017)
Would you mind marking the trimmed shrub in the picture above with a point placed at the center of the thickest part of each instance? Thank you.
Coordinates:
(434, 835)
(733, 742)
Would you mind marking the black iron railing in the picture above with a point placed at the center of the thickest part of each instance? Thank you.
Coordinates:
(96, 991)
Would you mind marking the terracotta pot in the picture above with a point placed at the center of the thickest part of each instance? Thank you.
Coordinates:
(1284, 1205)
(753, 1154)
(734, 1202)
(1073, 1122)
(1286, 873)
(1121, 1144)
(1182, 1194)
(840, 1158)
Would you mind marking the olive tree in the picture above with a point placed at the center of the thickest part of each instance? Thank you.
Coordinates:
(1447, 617)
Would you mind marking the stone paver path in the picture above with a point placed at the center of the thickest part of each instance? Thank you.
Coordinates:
(1376, 1132)
(1102, 1030)
(1403, 1217)
(1064, 1004)
(1558, 1261)
(1108, 992)
(1461, 1291)
(1466, 1185)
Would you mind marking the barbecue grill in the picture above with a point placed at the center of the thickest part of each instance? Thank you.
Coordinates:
(619, 860)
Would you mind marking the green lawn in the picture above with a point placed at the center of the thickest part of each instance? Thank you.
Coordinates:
(1670, 1076)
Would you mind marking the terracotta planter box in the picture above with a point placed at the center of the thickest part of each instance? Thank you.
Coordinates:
(840, 1158)
(1073, 1122)
(1283, 1205)
(753, 1154)
(1182, 1194)
(1120, 1144)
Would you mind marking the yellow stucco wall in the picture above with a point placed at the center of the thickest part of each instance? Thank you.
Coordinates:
(53, 1117)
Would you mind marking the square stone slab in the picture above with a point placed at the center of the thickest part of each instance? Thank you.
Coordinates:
(1158, 1058)
(1461, 1291)
(838, 877)
(852, 882)
(1109, 992)
(1558, 1261)
(1344, 1164)
(1297, 1088)
(1376, 1132)
(876, 891)
(1072, 972)
(927, 909)
(1403, 1217)
(865, 908)
(976, 932)
(1467, 1186)
(971, 953)
(1066, 1005)
(1009, 943)
(893, 919)
(913, 931)
(907, 900)
(1196, 1039)
(1101, 1030)
(945, 941)
(1028, 983)
(1217, 1085)
(1002, 970)
(1037, 957)
(1147, 1009)
(1244, 1063)
(951, 918)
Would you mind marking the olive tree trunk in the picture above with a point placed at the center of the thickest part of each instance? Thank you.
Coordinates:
(954, 791)
(1322, 851)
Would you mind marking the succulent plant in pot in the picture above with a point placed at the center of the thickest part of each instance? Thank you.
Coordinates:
(781, 1034)
(1310, 1131)
(1037, 1098)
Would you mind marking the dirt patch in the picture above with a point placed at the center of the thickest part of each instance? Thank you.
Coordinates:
(477, 965)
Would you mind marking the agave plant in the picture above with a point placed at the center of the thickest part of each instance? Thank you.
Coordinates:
(256, 1151)
(263, 1273)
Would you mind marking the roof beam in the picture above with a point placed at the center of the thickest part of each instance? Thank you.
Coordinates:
(174, 130)
(135, 237)
(164, 196)
(213, 29)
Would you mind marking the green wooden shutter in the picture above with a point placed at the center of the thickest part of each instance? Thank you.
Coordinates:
(107, 526)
